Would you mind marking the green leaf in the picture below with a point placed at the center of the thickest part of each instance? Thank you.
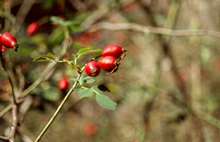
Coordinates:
(103, 100)
(88, 50)
(87, 80)
(25, 51)
(83, 50)
(85, 92)
(57, 20)
(48, 3)
(57, 36)
(74, 28)
(65, 23)
(205, 55)
(51, 94)
(41, 59)
(80, 18)
(48, 57)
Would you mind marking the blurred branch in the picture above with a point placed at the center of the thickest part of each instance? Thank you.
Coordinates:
(78, 5)
(46, 71)
(5, 110)
(4, 139)
(44, 130)
(154, 30)
(21, 15)
(24, 137)
(24, 107)
(205, 117)
(14, 101)
(41, 78)
(165, 42)
(95, 16)
(166, 47)
(209, 119)
(21, 78)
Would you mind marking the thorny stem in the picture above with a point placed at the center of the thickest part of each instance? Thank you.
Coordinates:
(14, 101)
(14, 122)
(44, 130)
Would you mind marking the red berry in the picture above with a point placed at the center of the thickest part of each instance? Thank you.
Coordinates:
(92, 69)
(90, 129)
(113, 50)
(33, 28)
(2, 49)
(107, 63)
(8, 40)
(64, 84)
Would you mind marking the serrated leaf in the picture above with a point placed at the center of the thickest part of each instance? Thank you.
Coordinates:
(103, 100)
(48, 57)
(83, 50)
(88, 50)
(85, 92)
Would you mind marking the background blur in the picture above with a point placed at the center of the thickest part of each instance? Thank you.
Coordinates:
(159, 75)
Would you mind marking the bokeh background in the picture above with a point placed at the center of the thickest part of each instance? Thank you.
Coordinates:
(158, 77)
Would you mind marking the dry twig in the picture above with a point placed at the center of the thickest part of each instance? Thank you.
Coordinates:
(154, 30)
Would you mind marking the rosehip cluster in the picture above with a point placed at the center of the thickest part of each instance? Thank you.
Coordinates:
(108, 60)
(7, 40)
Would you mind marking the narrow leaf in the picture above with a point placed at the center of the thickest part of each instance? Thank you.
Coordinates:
(104, 101)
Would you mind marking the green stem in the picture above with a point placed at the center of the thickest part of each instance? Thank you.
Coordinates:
(44, 130)
(47, 70)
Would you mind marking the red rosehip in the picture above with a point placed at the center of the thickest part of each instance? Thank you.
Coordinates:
(8, 40)
(2, 49)
(92, 69)
(107, 63)
(64, 84)
(33, 28)
(113, 50)
(90, 129)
